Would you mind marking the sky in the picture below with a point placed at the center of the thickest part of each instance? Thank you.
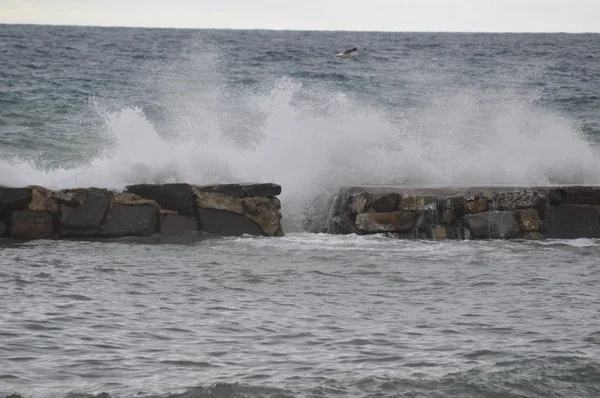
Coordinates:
(361, 15)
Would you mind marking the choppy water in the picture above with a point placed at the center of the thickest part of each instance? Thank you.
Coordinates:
(306, 315)
(302, 316)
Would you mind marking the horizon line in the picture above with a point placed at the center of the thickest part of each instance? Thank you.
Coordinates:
(296, 30)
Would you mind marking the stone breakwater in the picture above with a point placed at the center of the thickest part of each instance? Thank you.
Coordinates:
(35, 212)
(460, 213)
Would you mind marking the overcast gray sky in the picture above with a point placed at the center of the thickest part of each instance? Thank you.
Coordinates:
(379, 15)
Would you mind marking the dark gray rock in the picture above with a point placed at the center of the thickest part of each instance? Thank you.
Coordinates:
(176, 224)
(86, 219)
(385, 203)
(343, 225)
(226, 223)
(426, 218)
(3, 228)
(357, 203)
(455, 203)
(578, 195)
(12, 199)
(176, 197)
(247, 190)
(128, 220)
(572, 222)
(28, 225)
(397, 221)
(492, 225)
(511, 200)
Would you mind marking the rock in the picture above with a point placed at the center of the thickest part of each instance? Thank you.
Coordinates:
(385, 203)
(225, 223)
(130, 220)
(512, 200)
(343, 225)
(357, 203)
(437, 232)
(426, 218)
(176, 224)
(12, 199)
(265, 212)
(243, 190)
(528, 220)
(417, 203)
(42, 199)
(217, 201)
(578, 195)
(572, 222)
(178, 197)
(456, 203)
(28, 225)
(476, 205)
(492, 225)
(126, 198)
(448, 217)
(71, 197)
(398, 221)
(86, 219)
(3, 228)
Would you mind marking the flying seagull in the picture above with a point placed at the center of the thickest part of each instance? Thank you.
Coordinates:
(347, 53)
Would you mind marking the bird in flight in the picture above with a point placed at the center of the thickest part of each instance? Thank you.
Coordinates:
(347, 53)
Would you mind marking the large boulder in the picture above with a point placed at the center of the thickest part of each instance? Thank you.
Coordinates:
(3, 228)
(385, 203)
(417, 203)
(397, 221)
(265, 212)
(528, 220)
(577, 195)
(176, 224)
(28, 225)
(245, 190)
(357, 203)
(43, 199)
(492, 225)
(177, 197)
(86, 219)
(226, 223)
(572, 222)
(12, 199)
(511, 200)
(130, 220)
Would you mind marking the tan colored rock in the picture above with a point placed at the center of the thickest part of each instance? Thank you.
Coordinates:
(131, 199)
(438, 233)
(42, 199)
(476, 205)
(529, 220)
(217, 201)
(397, 221)
(71, 197)
(417, 203)
(266, 212)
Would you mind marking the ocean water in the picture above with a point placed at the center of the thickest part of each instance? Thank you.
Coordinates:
(307, 315)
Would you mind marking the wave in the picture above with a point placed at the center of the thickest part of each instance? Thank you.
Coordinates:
(310, 138)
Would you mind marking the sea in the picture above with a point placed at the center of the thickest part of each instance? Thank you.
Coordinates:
(306, 315)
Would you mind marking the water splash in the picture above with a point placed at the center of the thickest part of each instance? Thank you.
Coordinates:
(310, 139)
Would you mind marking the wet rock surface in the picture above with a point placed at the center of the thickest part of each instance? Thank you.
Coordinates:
(466, 213)
(231, 209)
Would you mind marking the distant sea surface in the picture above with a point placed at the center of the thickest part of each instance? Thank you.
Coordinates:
(306, 315)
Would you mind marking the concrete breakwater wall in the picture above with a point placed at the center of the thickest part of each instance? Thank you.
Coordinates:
(461, 213)
(35, 212)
